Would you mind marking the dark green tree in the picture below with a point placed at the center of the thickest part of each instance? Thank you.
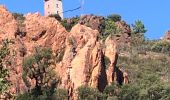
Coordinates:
(138, 27)
(129, 92)
(138, 30)
(87, 93)
(110, 29)
(114, 17)
(111, 91)
(39, 67)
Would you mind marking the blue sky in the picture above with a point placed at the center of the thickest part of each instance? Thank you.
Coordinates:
(153, 13)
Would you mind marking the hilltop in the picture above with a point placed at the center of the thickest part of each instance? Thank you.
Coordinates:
(88, 57)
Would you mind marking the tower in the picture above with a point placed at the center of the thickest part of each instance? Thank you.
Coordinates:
(53, 7)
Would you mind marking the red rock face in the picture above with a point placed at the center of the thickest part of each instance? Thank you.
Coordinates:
(84, 55)
(8, 25)
(125, 33)
(95, 22)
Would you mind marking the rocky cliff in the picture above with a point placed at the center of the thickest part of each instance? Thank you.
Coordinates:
(85, 59)
(98, 23)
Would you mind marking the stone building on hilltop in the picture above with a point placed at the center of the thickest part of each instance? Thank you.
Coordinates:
(53, 7)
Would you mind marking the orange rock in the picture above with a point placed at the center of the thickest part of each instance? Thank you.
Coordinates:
(83, 53)
(8, 25)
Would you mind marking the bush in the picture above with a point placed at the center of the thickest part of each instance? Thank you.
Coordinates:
(5, 64)
(111, 91)
(114, 17)
(129, 92)
(161, 46)
(159, 92)
(138, 27)
(19, 17)
(59, 94)
(38, 67)
(69, 23)
(110, 29)
(56, 16)
(20, 22)
(87, 93)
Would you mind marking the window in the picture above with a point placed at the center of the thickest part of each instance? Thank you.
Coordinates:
(57, 6)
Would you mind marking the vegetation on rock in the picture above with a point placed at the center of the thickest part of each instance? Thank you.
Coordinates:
(39, 67)
(5, 64)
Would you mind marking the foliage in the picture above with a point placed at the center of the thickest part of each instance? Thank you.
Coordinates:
(60, 94)
(19, 17)
(56, 16)
(87, 93)
(129, 92)
(161, 46)
(39, 67)
(69, 23)
(149, 74)
(114, 17)
(20, 22)
(111, 91)
(138, 30)
(4, 65)
(138, 27)
(110, 29)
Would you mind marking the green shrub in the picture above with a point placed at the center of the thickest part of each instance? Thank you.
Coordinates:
(110, 92)
(114, 17)
(56, 16)
(110, 29)
(138, 27)
(159, 92)
(87, 93)
(60, 94)
(5, 64)
(19, 17)
(20, 22)
(129, 92)
(161, 46)
(69, 23)
(38, 67)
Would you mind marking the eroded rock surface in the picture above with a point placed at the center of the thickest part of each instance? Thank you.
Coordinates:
(84, 55)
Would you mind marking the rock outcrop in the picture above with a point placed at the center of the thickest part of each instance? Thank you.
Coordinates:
(8, 25)
(95, 22)
(167, 36)
(83, 54)
(124, 36)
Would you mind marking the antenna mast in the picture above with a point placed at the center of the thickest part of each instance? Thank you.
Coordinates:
(82, 7)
